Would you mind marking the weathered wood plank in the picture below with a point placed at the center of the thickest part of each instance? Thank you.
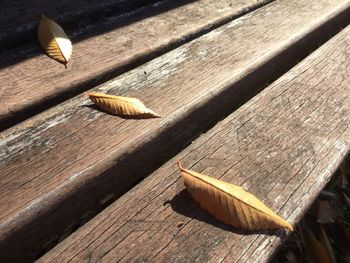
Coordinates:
(283, 145)
(73, 155)
(19, 19)
(36, 82)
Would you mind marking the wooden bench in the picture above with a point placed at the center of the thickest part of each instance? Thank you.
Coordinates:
(283, 145)
(63, 166)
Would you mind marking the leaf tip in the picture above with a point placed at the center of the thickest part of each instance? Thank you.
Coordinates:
(87, 94)
(284, 224)
(288, 226)
(43, 18)
(156, 115)
(179, 165)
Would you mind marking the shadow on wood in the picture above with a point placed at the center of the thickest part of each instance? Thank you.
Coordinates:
(22, 45)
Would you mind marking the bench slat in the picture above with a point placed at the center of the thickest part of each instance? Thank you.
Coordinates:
(283, 146)
(102, 50)
(19, 19)
(73, 155)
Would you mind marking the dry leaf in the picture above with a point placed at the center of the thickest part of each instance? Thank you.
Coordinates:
(315, 251)
(121, 105)
(291, 258)
(54, 40)
(346, 199)
(327, 213)
(328, 195)
(325, 242)
(344, 182)
(230, 203)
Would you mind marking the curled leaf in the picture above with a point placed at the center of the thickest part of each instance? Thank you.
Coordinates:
(315, 251)
(54, 40)
(230, 203)
(121, 105)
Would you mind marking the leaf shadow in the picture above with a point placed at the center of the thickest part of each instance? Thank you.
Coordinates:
(183, 204)
(138, 117)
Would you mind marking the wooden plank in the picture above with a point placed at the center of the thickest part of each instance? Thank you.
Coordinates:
(283, 145)
(19, 19)
(32, 82)
(73, 154)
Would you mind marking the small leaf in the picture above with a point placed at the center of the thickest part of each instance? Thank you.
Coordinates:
(327, 213)
(291, 258)
(344, 181)
(121, 105)
(54, 40)
(346, 199)
(315, 251)
(230, 203)
(328, 195)
(327, 245)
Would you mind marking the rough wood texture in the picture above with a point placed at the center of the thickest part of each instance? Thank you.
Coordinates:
(283, 146)
(37, 82)
(61, 167)
(19, 18)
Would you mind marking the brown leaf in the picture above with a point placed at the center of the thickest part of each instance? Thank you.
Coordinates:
(344, 182)
(327, 213)
(315, 251)
(346, 199)
(328, 195)
(54, 40)
(230, 203)
(291, 258)
(341, 178)
(325, 242)
(121, 105)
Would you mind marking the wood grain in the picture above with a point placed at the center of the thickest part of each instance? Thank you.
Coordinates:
(283, 146)
(19, 19)
(63, 166)
(102, 50)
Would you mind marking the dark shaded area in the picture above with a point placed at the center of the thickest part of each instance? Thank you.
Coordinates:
(336, 228)
(183, 204)
(20, 18)
(81, 202)
(81, 26)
